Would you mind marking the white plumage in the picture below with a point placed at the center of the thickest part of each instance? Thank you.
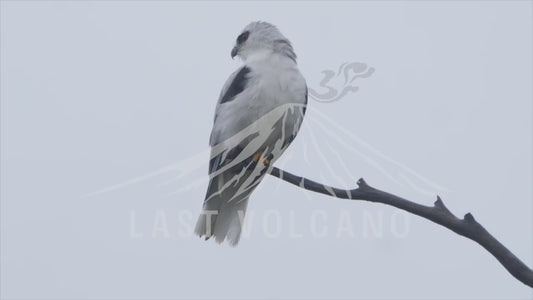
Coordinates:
(258, 114)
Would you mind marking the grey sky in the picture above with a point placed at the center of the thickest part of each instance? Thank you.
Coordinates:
(94, 94)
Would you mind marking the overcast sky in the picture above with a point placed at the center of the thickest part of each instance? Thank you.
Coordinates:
(106, 110)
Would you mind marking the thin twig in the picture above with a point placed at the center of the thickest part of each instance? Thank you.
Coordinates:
(467, 227)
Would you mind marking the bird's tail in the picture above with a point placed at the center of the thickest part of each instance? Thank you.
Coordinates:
(223, 223)
(226, 200)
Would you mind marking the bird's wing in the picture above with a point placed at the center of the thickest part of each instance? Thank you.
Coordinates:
(234, 85)
(251, 118)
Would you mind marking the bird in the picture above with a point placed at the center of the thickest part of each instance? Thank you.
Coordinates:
(258, 114)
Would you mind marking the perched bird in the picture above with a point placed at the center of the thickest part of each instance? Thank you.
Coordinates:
(258, 114)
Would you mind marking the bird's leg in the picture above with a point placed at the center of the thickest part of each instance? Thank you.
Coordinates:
(267, 159)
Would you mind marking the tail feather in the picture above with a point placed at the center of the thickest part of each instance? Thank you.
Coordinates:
(230, 221)
(226, 225)
(225, 205)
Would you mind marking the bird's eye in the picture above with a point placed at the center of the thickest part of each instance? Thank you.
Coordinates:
(243, 37)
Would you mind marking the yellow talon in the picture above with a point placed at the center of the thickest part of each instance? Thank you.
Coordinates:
(257, 156)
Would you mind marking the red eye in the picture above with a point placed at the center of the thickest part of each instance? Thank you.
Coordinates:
(243, 37)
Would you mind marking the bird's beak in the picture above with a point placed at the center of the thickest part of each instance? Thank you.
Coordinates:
(234, 52)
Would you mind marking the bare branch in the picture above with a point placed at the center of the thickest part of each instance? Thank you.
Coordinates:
(467, 227)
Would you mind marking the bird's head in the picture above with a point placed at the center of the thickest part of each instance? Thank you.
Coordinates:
(261, 38)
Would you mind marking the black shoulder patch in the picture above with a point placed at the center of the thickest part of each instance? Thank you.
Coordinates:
(306, 94)
(237, 86)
